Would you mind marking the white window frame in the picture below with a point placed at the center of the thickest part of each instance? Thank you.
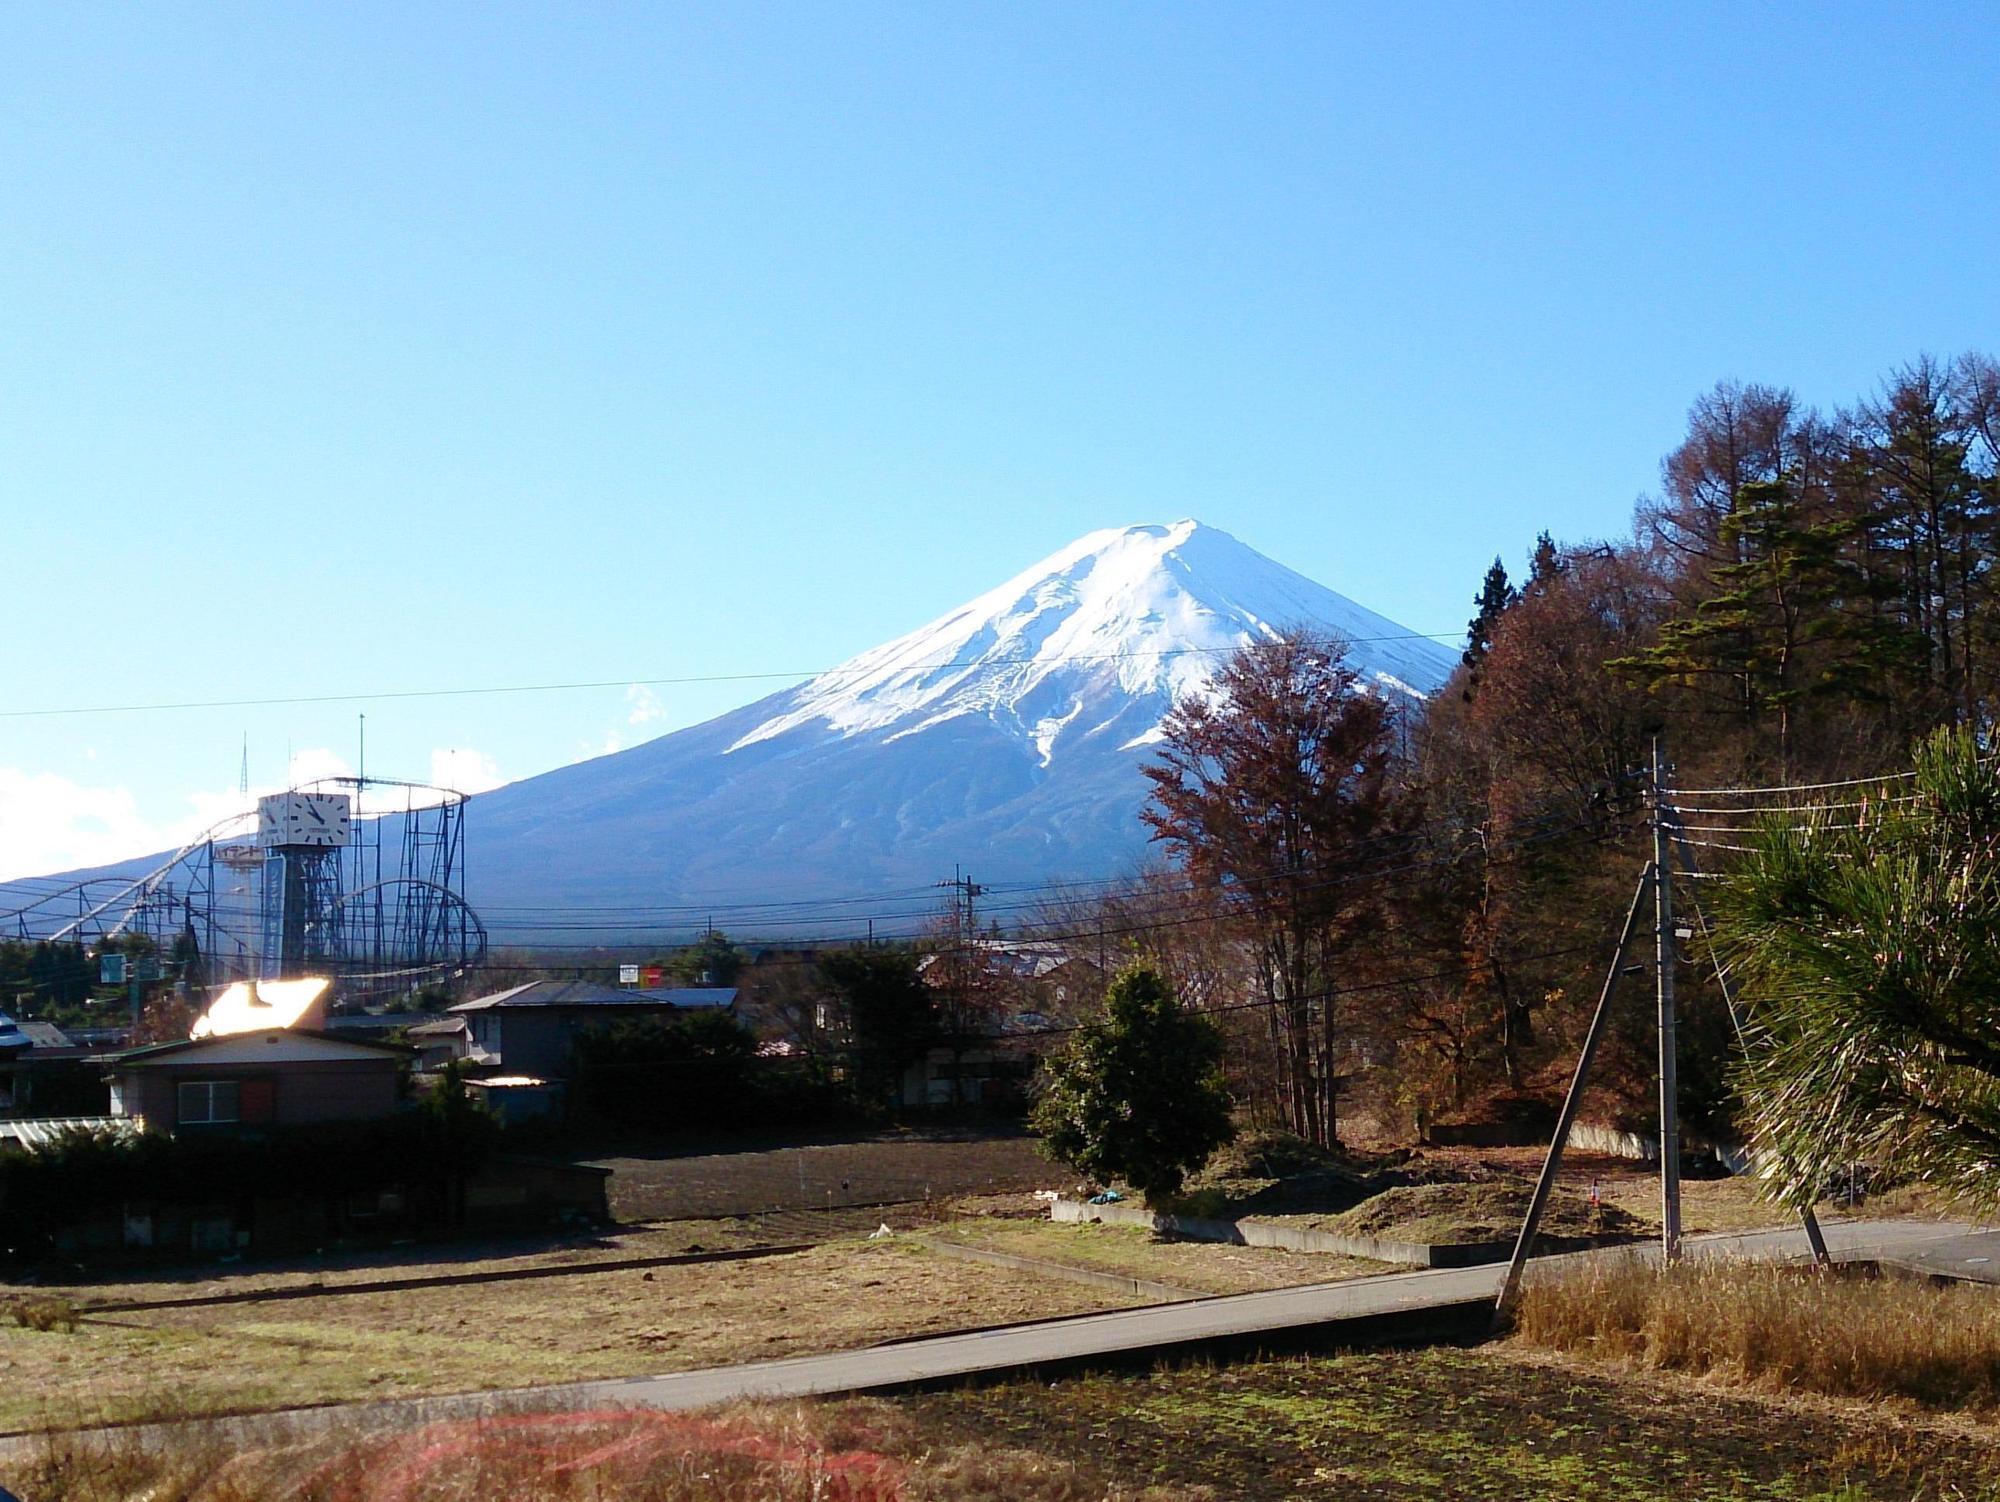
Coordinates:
(215, 1096)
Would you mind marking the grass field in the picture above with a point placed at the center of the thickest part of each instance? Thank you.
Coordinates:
(1402, 1426)
(1484, 1425)
(343, 1346)
(1200, 1267)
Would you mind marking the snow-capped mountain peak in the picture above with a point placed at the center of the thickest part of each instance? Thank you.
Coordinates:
(1141, 613)
(1008, 737)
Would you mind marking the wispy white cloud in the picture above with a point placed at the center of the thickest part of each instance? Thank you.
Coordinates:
(465, 770)
(49, 822)
(643, 706)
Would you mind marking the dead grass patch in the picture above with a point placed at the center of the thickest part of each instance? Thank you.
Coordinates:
(1776, 1328)
(1133, 1252)
(41, 1312)
(1454, 1214)
(252, 1356)
(847, 1452)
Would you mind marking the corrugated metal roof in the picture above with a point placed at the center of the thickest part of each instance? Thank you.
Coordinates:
(590, 993)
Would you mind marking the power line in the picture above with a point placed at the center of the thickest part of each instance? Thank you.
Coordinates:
(675, 682)
(1793, 787)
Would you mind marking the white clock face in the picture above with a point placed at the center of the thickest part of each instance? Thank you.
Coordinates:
(304, 819)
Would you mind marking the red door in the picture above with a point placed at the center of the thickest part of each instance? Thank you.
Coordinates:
(258, 1100)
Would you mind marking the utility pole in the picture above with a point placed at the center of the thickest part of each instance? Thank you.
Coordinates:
(964, 956)
(1524, 1244)
(1664, 949)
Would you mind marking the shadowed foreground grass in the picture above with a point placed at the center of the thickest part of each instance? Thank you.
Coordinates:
(847, 1452)
(1776, 1328)
(1498, 1424)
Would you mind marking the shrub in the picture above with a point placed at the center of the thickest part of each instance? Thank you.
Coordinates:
(44, 1313)
(83, 1175)
(1138, 1094)
(1266, 1154)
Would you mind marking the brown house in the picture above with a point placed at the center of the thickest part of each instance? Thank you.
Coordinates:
(278, 1077)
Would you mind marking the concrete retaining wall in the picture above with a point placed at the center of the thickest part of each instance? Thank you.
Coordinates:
(1299, 1238)
(1614, 1143)
(1305, 1239)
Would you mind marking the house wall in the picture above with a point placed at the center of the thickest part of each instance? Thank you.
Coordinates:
(979, 1077)
(537, 1040)
(302, 1093)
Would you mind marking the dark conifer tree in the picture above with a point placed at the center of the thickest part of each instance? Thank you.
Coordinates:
(1494, 596)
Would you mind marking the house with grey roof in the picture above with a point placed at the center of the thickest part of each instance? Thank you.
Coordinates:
(528, 1030)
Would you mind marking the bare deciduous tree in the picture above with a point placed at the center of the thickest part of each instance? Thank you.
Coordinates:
(1276, 795)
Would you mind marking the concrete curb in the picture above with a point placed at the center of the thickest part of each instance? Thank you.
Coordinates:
(442, 1280)
(1252, 1232)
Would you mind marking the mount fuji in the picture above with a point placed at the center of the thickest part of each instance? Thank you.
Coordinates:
(1005, 737)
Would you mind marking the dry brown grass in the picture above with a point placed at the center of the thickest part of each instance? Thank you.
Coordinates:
(252, 1356)
(857, 1451)
(1776, 1328)
(1454, 1214)
(471, 1258)
(1134, 1252)
(41, 1312)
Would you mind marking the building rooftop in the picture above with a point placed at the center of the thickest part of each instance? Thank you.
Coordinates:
(298, 1039)
(589, 993)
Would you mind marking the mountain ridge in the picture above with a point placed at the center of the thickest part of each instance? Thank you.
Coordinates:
(1005, 735)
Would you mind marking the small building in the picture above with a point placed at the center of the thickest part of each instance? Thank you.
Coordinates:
(447, 1041)
(274, 1077)
(515, 1098)
(992, 1073)
(44, 1072)
(530, 1029)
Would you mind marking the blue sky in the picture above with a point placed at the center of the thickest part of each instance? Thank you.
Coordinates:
(380, 348)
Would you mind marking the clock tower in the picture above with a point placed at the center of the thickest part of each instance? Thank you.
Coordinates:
(302, 835)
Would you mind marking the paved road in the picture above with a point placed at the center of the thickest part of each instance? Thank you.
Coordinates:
(1137, 1334)
(1973, 1257)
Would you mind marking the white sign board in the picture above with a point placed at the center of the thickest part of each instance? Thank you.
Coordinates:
(628, 975)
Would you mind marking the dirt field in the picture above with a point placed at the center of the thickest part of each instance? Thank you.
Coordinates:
(278, 1353)
(895, 1166)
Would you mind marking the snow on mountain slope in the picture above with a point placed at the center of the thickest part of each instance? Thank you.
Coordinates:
(1006, 737)
(1137, 612)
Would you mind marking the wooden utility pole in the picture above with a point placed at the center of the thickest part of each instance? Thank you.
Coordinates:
(963, 979)
(1664, 951)
(1524, 1245)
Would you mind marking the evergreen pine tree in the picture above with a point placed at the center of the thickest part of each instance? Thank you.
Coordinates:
(1778, 631)
(1495, 595)
(1545, 565)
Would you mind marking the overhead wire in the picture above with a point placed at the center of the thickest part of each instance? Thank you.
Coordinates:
(680, 681)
